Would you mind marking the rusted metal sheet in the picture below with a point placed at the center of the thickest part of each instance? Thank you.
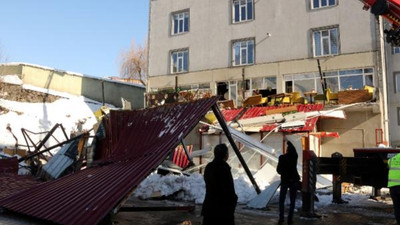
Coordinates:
(141, 141)
(11, 184)
(9, 166)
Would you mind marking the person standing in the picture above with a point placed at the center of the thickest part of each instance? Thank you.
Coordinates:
(220, 200)
(287, 168)
(394, 184)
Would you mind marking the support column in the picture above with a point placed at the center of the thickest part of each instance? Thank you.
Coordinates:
(224, 127)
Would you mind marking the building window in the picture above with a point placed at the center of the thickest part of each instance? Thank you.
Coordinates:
(180, 22)
(316, 4)
(243, 52)
(396, 50)
(326, 42)
(243, 10)
(398, 116)
(397, 82)
(263, 85)
(335, 80)
(195, 87)
(180, 61)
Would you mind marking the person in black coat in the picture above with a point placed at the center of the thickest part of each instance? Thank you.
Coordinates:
(220, 201)
(287, 168)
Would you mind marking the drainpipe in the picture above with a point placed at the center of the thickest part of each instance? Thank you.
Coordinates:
(384, 93)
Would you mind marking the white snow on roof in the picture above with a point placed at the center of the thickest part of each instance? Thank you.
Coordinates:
(11, 79)
(69, 72)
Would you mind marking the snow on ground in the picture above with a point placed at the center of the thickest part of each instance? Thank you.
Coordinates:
(73, 112)
(192, 188)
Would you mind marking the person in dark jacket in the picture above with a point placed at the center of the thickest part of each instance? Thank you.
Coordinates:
(220, 201)
(287, 168)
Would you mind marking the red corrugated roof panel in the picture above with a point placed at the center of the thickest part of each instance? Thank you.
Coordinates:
(11, 184)
(230, 114)
(254, 112)
(309, 126)
(141, 140)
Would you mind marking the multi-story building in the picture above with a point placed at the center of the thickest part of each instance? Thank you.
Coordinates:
(235, 47)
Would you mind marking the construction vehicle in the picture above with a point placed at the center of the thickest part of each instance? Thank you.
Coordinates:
(390, 11)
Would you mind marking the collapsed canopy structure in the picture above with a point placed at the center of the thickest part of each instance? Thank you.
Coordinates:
(137, 143)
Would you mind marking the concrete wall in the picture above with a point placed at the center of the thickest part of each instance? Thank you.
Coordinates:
(10, 69)
(77, 84)
(211, 32)
(357, 131)
(393, 98)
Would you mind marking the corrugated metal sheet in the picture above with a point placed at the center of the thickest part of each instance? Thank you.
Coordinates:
(60, 161)
(140, 142)
(261, 111)
(9, 166)
(11, 184)
(309, 126)
(230, 114)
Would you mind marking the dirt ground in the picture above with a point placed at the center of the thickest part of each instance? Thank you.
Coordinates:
(379, 213)
(17, 93)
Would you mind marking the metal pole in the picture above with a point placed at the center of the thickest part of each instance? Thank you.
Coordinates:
(186, 151)
(323, 82)
(243, 85)
(102, 92)
(228, 135)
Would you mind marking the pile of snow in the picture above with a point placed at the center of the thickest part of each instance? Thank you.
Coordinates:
(189, 188)
(11, 79)
(75, 113)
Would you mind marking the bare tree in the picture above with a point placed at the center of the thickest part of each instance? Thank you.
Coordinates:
(133, 62)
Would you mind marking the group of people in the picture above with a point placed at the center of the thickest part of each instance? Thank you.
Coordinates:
(220, 200)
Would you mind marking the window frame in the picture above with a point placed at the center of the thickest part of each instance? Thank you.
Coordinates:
(396, 79)
(398, 116)
(321, 40)
(315, 77)
(241, 6)
(241, 49)
(177, 51)
(184, 13)
(395, 50)
(328, 5)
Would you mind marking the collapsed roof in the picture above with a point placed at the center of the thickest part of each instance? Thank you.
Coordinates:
(139, 142)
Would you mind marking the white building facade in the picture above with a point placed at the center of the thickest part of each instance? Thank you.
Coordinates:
(234, 47)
